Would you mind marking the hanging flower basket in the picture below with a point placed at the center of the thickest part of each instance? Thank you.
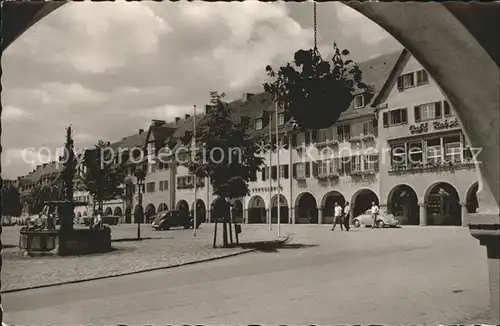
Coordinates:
(318, 91)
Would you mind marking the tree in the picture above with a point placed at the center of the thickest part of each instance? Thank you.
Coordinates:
(316, 93)
(11, 200)
(103, 178)
(228, 157)
(41, 193)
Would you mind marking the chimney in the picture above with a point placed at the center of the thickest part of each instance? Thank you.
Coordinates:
(177, 119)
(141, 131)
(44, 164)
(187, 116)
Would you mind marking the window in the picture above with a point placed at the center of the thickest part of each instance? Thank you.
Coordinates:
(415, 153)
(356, 163)
(150, 187)
(359, 101)
(274, 172)
(300, 170)
(253, 177)
(428, 111)
(331, 166)
(452, 148)
(160, 187)
(370, 162)
(433, 150)
(323, 167)
(447, 109)
(344, 132)
(258, 124)
(369, 127)
(395, 117)
(281, 119)
(284, 171)
(398, 155)
(308, 169)
(406, 81)
(422, 77)
(264, 174)
(314, 136)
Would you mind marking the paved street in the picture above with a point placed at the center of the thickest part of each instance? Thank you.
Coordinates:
(163, 248)
(409, 275)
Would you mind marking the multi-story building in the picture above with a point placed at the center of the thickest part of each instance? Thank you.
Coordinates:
(399, 144)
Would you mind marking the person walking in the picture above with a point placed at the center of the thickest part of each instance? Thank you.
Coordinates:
(375, 211)
(337, 217)
(347, 215)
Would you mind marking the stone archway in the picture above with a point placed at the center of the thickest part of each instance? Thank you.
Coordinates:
(162, 207)
(108, 211)
(128, 214)
(306, 209)
(362, 200)
(201, 210)
(237, 211)
(328, 204)
(182, 206)
(220, 209)
(283, 206)
(471, 198)
(118, 211)
(85, 213)
(79, 215)
(256, 210)
(402, 202)
(150, 211)
(443, 204)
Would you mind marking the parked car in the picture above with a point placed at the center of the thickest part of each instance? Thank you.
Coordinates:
(384, 219)
(173, 218)
(111, 220)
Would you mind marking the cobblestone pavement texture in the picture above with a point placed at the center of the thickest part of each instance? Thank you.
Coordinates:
(412, 275)
(162, 249)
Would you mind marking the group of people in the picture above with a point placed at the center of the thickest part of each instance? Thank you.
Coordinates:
(341, 215)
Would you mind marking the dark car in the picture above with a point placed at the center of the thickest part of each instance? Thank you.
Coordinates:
(173, 218)
(110, 220)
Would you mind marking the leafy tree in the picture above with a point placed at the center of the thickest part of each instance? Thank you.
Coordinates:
(103, 178)
(228, 157)
(42, 193)
(314, 92)
(11, 200)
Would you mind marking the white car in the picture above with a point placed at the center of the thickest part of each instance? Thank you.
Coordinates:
(384, 219)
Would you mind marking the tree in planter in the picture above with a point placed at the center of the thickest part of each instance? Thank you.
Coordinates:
(103, 178)
(317, 92)
(228, 157)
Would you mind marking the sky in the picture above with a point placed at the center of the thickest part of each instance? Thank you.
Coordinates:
(109, 68)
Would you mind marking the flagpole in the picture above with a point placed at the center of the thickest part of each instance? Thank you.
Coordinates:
(195, 176)
(278, 169)
(270, 172)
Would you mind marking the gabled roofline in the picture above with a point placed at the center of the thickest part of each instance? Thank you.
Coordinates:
(383, 93)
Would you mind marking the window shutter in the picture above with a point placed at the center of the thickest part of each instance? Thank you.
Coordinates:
(404, 115)
(263, 174)
(385, 119)
(294, 170)
(417, 114)
(447, 110)
(308, 169)
(400, 82)
(437, 110)
(294, 140)
(274, 173)
(412, 79)
(314, 169)
(287, 172)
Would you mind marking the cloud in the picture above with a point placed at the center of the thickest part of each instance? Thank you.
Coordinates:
(28, 158)
(95, 38)
(12, 113)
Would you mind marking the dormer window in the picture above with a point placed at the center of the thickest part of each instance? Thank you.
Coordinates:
(281, 119)
(359, 101)
(422, 77)
(258, 124)
(406, 81)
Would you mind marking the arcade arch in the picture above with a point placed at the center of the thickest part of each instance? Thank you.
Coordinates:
(162, 207)
(118, 211)
(108, 211)
(237, 210)
(471, 198)
(283, 207)
(128, 214)
(201, 210)
(182, 206)
(402, 202)
(306, 209)
(362, 200)
(150, 211)
(443, 204)
(328, 204)
(220, 209)
(256, 210)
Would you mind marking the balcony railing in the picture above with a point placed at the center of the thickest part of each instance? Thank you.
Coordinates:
(327, 143)
(431, 166)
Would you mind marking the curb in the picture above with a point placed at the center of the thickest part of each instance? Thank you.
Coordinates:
(245, 251)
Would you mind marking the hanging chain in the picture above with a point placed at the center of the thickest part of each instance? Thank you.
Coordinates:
(315, 27)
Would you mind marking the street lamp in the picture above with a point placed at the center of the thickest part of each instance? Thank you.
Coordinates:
(139, 212)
